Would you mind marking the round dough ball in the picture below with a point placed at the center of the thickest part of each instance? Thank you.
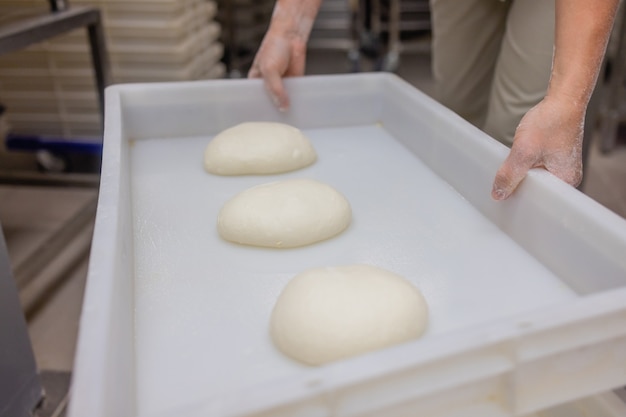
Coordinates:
(258, 148)
(326, 314)
(284, 214)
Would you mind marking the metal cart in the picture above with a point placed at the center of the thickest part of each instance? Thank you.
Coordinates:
(21, 384)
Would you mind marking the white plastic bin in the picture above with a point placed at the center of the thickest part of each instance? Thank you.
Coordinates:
(607, 404)
(527, 296)
(142, 9)
(161, 32)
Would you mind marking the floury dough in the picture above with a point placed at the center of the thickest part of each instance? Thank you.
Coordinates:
(258, 148)
(327, 314)
(284, 214)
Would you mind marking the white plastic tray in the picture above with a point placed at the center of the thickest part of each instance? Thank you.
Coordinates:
(142, 9)
(528, 296)
(77, 76)
(605, 405)
(183, 50)
(156, 31)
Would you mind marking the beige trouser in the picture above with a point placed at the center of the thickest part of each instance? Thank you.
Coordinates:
(492, 59)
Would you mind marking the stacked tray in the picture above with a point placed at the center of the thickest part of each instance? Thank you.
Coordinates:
(49, 88)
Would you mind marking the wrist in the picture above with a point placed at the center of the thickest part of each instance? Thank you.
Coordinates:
(570, 91)
(293, 19)
(573, 100)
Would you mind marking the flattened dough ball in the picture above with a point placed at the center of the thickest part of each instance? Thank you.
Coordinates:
(258, 148)
(326, 314)
(284, 214)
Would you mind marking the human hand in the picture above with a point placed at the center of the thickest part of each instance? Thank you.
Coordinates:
(279, 56)
(550, 137)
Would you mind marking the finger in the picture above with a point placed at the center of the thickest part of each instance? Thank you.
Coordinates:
(296, 66)
(254, 72)
(511, 174)
(276, 89)
(297, 63)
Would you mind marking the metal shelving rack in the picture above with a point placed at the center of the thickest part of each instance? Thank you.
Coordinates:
(334, 26)
(21, 34)
(244, 23)
(62, 19)
(356, 26)
(14, 36)
(381, 30)
(611, 112)
(393, 27)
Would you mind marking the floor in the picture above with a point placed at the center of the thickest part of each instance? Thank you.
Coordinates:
(29, 215)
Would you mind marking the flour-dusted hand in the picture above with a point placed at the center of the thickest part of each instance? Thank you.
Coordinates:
(283, 50)
(549, 136)
(278, 57)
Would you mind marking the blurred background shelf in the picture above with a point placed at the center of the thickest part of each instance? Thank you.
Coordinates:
(49, 89)
(244, 23)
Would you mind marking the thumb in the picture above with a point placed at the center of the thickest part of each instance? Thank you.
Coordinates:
(511, 173)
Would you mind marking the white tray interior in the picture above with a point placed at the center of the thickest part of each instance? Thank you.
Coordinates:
(197, 296)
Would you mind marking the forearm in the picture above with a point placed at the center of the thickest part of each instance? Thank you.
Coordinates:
(582, 31)
(294, 19)
(283, 50)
